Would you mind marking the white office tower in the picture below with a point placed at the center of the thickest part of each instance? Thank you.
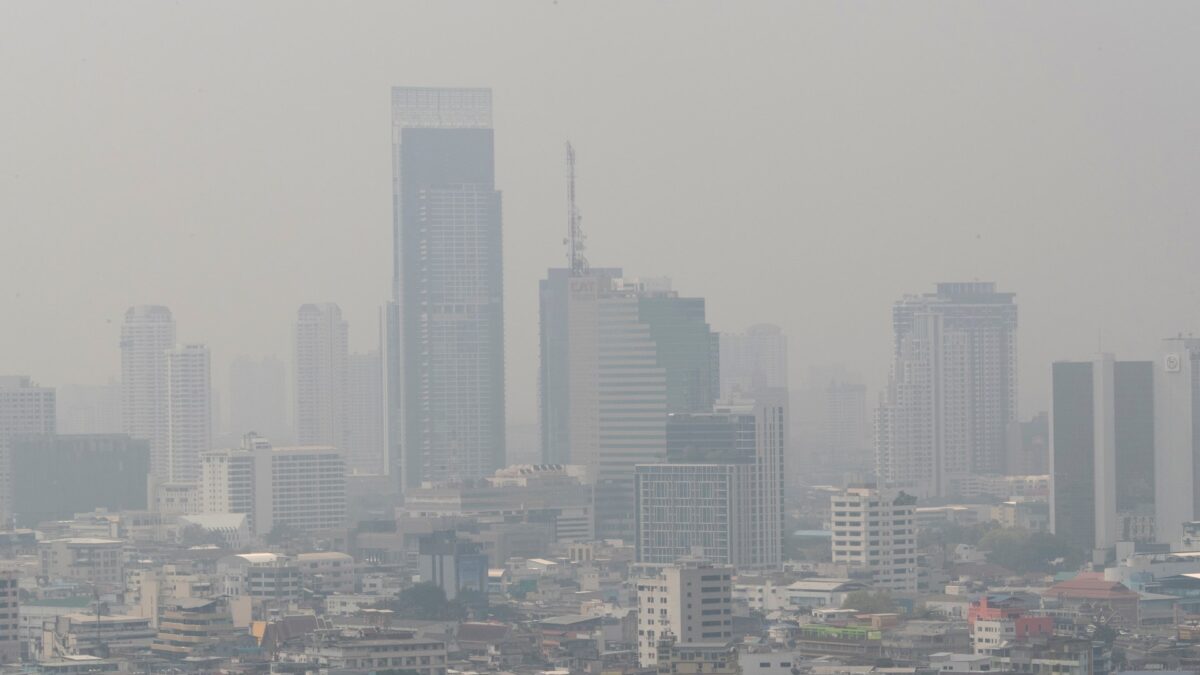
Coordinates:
(322, 351)
(754, 360)
(1176, 440)
(25, 408)
(617, 405)
(876, 532)
(189, 412)
(952, 391)
(146, 335)
(300, 487)
(692, 601)
(364, 414)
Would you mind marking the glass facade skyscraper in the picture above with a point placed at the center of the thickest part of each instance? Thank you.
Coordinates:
(446, 324)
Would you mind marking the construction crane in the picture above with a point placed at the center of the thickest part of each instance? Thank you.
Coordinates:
(576, 262)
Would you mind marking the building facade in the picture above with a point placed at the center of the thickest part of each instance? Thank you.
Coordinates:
(447, 318)
(25, 408)
(691, 601)
(189, 412)
(753, 360)
(146, 335)
(365, 414)
(875, 531)
(1102, 450)
(57, 476)
(322, 353)
(1177, 437)
(951, 395)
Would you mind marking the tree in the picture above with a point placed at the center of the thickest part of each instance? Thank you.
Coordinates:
(1023, 551)
(869, 603)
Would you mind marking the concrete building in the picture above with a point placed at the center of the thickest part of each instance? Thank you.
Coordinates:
(1177, 446)
(326, 572)
(25, 408)
(452, 564)
(146, 335)
(951, 395)
(608, 385)
(189, 412)
(376, 650)
(543, 493)
(57, 476)
(716, 657)
(691, 601)
(257, 399)
(89, 560)
(753, 360)
(191, 626)
(262, 576)
(300, 487)
(322, 353)
(875, 531)
(10, 609)
(720, 495)
(1102, 449)
(446, 321)
(365, 435)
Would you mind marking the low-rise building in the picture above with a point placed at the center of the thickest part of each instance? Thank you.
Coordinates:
(265, 576)
(374, 650)
(326, 572)
(191, 627)
(90, 560)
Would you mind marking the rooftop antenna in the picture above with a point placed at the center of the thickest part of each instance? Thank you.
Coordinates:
(575, 238)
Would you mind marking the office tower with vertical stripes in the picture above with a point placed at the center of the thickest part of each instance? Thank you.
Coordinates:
(146, 335)
(445, 369)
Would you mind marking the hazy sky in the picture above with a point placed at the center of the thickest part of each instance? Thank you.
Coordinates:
(796, 163)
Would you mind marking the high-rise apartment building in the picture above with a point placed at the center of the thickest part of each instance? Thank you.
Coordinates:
(258, 397)
(952, 391)
(322, 354)
(189, 412)
(1176, 437)
(692, 601)
(446, 322)
(364, 414)
(754, 360)
(25, 408)
(1102, 450)
(146, 335)
(299, 487)
(875, 531)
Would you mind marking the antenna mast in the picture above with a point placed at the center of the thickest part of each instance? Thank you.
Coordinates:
(575, 239)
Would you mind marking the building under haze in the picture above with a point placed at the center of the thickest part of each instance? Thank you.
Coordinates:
(57, 476)
(754, 360)
(719, 495)
(322, 363)
(1102, 451)
(952, 391)
(258, 397)
(364, 414)
(874, 531)
(89, 408)
(1176, 437)
(446, 323)
(25, 408)
(189, 412)
(146, 335)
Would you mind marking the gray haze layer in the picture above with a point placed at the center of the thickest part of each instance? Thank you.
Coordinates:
(798, 163)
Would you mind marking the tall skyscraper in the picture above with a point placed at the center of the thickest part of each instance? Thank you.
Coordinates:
(189, 412)
(754, 360)
(688, 349)
(322, 353)
(146, 335)
(952, 391)
(1177, 437)
(446, 323)
(364, 414)
(1102, 451)
(258, 398)
(25, 408)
